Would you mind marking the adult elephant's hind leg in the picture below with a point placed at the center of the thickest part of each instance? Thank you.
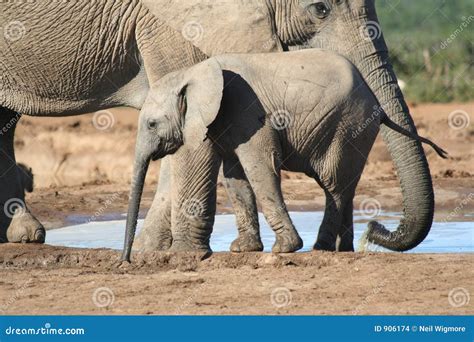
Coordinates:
(245, 207)
(329, 228)
(345, 236)
(156, 234)
(17, 224)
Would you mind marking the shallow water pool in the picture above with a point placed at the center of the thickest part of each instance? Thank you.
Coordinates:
(445, 237)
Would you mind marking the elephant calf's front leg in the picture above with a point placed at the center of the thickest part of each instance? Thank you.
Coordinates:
(265, 180)
(245, 207)
(194, 179)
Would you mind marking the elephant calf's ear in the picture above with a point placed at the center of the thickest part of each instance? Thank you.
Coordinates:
(204, 91)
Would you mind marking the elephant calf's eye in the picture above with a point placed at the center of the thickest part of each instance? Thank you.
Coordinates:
(152, 124)
(319, 10)
(182, 103)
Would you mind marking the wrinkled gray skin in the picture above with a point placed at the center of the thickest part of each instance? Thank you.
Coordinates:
(81, 57)
(317, 101)
(341, 26)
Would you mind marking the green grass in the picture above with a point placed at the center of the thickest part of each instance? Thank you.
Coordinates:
(417, 33)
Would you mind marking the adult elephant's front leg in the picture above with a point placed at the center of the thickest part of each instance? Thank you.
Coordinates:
(156, 234)
(17, 224)
(245, 208)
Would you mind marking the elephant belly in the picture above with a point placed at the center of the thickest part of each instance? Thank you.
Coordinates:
(68, 57)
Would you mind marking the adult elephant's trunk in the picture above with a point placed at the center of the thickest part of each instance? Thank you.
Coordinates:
(138, 181)
(408, 155)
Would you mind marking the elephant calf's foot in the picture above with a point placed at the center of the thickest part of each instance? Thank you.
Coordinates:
(247, 242)
(25, 228)
(179, 246)
(148, 243)
(287, 242)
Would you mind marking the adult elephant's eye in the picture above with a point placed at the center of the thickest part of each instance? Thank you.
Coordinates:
(319, 10)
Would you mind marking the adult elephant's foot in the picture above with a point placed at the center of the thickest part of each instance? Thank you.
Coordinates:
(287, 242)
(247, 242)
(25, 228)
(326, 246)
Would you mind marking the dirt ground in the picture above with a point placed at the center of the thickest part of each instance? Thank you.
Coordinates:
(82, 167)
(48, 280)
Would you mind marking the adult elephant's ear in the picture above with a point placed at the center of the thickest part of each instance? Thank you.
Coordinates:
(208, 24)
(204, 86)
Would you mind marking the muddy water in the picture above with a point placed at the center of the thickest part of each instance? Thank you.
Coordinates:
(445, 237)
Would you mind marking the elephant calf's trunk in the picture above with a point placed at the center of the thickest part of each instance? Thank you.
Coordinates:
(141, 168)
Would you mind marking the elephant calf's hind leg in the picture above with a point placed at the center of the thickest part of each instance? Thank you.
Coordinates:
(245, 207)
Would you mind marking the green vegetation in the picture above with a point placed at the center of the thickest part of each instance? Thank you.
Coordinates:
(431, 43)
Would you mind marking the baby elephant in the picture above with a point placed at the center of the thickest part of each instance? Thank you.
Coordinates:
(306, 111)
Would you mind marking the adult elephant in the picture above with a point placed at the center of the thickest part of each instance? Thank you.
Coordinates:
(75, 57)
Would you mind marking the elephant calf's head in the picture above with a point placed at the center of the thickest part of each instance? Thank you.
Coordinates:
(178, 110)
